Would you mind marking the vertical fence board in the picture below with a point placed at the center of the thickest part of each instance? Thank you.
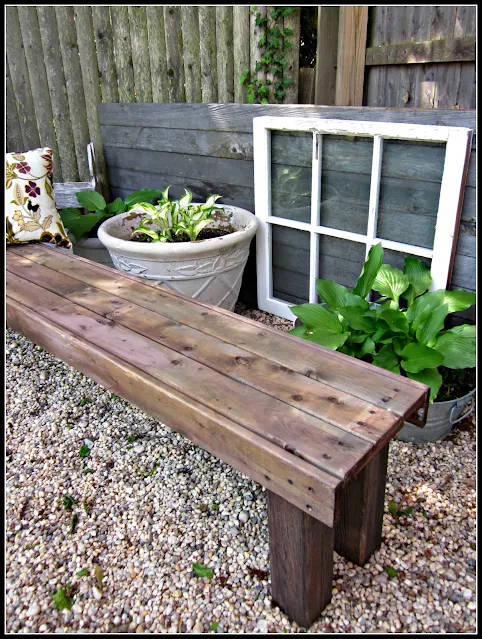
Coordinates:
(207, 39)
(21, 82)
(192, 60)
(292, 57)
(255, 51)
(105, 53)
(75, 89)
(140, 54)
(225, 60)
(90, 79)
(38, 81)
(326, 53)
(240, 50)
(350, 70)
(175, 67)
(122, 53)
(157, 53)
(58, 93)
(14, 134)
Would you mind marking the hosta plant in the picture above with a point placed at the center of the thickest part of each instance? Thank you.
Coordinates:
(174, 220)
(404, 332)
(85, 225)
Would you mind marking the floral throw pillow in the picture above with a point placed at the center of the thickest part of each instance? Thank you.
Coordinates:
(30, 212)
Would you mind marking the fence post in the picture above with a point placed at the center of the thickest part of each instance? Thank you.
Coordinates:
(326, 54)
(352, 36)
(192, 60)
(225, 61)
(123, 52)
(14, 134)
(241, 50)
(175, 66)
(292, 56)
(105, 53)
(140, 54)
(207, 42)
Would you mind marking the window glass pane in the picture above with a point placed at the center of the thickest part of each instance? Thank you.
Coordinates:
(346, 165)
(291, 264)
(291, 155)
(340, 260)
(410, 191)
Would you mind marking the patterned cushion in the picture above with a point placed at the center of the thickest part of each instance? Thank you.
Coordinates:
(30, 212)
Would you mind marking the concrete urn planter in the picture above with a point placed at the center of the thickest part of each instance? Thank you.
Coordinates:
(207, 270)
(92, 249)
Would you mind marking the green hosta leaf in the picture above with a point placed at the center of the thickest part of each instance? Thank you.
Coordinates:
(146, 230)
(186, 199)
(431, 323)
(322, 336)
(316, 316)
(356, 338)
(91, 200)
(387, 358)
(369, 271)
(396, 320)
(356, 300)
(430, 300)
(399, 344)
(61, 601)
(430, 377)
(418, 276)
(80, 225)
(459, 300)
(355, 318)
(390, 282)
(117, 206)
(457, 346)
(331, 293)
(367, 348)
(417, 357)
(202, 571)
(144, 195)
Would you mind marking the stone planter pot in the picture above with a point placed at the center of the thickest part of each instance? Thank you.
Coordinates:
(92, 249)
(441, 417)
(207, 270)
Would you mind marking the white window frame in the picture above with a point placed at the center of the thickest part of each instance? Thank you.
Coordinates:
(457, 139)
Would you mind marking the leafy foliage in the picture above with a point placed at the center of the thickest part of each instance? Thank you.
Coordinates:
(200, 570)
(406, 337)
(61, 600)
(176, 218)
(85, 225)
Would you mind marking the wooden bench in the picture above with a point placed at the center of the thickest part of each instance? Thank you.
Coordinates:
(311, 425)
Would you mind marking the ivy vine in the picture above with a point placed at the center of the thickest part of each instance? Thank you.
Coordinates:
(274, 42)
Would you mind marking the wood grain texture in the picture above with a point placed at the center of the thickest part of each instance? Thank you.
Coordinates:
(192, 61)
(105, 53)
(157, 52)
(301, 561)
(140, 53)
(224, 50)
(303, 485)
(207, 49)
(292, 55)
(240, 50)
(123, 52)
(359, 511)
(443, 50)
(350, 70)
(326, 55)
(174, 58)
(13, 131)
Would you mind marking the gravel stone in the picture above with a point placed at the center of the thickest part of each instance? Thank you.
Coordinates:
(145, 517)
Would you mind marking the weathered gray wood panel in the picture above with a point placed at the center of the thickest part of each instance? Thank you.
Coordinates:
(208, 148)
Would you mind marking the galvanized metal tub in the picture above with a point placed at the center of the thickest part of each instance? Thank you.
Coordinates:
(441, 418)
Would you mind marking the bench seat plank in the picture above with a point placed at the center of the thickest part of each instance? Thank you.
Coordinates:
(400, 395)
(337, 407)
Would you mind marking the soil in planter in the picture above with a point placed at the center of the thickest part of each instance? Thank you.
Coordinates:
(205, 234)
(456, 383)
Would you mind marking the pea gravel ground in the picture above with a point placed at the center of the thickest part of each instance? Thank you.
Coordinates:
(148, 505)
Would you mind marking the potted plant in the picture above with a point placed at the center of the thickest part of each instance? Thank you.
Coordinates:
(198, 249)
(83, 223)
(404, 332)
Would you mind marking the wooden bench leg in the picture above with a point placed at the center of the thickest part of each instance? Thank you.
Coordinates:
(358, 529)
(301, 558)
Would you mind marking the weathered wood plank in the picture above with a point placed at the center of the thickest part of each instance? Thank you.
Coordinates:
(320, 443)
(207, 48)
(341, 409)
(175, 66)
(443, 50)
(350, 70)
(13, 131)
(34, 56)
(326, 55)
(65, 193)
(58, 94)
(353, 376)
(105, 53)
(21, 81)
(90, 79)
(123, 52)
(140, 54)
(301, 561)
(192, 60)
(358, 531)
(266, 463)
(292, 56)
(157, 52)
(240, 50)
(306, 86)
(75, 89)
(224, 47)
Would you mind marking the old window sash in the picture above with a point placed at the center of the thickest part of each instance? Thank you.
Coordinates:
(457, 140)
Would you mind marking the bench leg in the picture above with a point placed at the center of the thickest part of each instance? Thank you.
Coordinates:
(358, 529)
(301, 559)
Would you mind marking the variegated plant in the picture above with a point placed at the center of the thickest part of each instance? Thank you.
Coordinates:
(404, 333)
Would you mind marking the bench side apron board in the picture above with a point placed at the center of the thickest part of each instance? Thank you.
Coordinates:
(311, 425)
